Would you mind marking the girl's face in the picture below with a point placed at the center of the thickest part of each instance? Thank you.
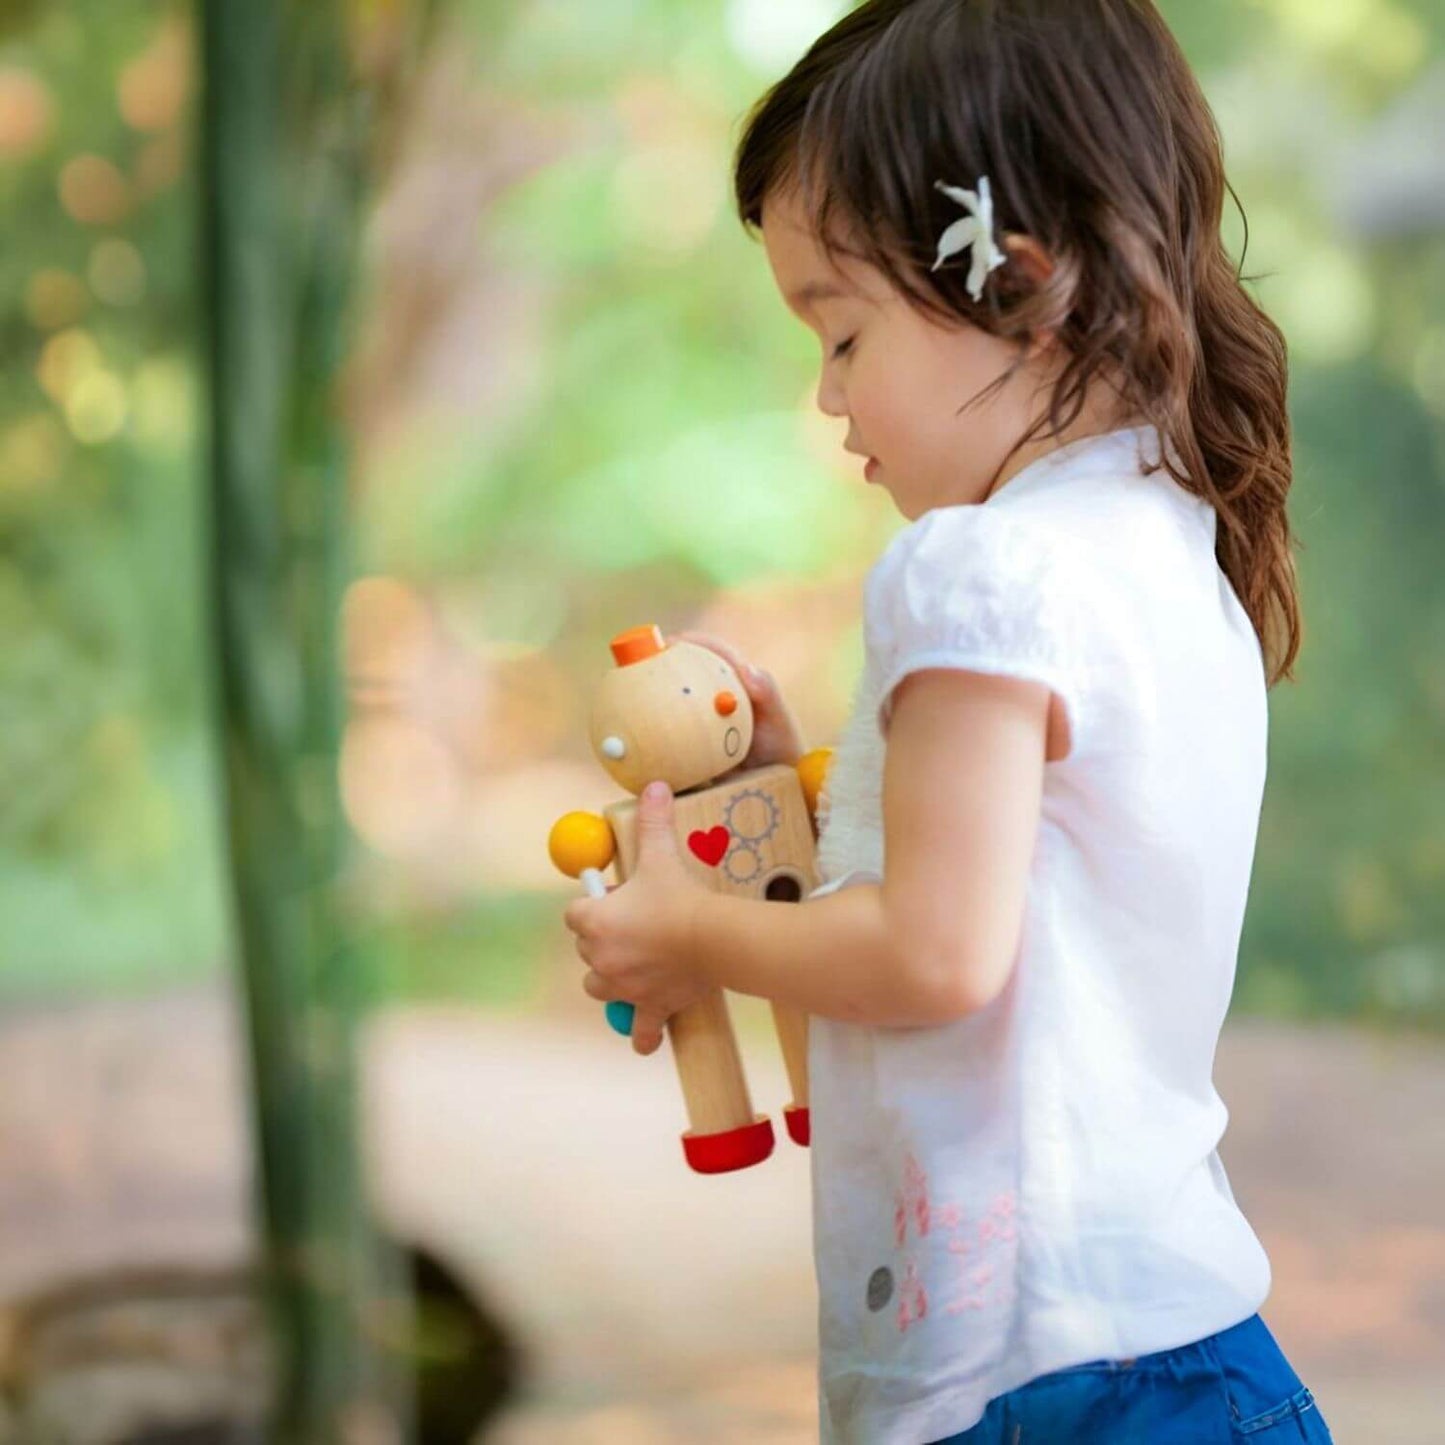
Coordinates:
(900, 378)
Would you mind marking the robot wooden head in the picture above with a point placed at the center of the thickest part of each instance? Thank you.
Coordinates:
(669, 710)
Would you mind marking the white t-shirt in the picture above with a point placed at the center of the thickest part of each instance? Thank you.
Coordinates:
(1037, 1184)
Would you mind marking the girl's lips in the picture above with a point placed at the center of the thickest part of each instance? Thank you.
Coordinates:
(871, 470)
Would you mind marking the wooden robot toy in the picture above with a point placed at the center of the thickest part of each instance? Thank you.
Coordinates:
(677, 711)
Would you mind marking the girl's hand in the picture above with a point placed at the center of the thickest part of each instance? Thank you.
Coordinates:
(637, 940)
(776, 735)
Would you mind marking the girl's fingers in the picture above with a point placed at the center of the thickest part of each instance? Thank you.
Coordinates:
(647, 1032)
(724, 650)
(756, 679)
(706, 639)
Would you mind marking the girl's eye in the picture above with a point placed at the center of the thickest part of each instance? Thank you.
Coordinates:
(843, 347)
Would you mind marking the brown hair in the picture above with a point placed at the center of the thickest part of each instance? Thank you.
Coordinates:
(1098, 143)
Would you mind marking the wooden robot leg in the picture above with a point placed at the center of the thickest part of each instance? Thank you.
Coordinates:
(750, 835)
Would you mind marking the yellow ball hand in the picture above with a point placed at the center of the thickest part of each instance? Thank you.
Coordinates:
(581, 840)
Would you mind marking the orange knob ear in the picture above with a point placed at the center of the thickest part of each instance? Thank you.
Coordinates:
(813, 774)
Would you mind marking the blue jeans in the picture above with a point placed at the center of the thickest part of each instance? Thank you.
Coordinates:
(1228, 1388)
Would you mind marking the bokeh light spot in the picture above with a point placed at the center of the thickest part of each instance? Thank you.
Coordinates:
(95, 407)
(65, 359)
(399, 783)
(152, 89)
(93, 191)
(26, 112)
(117, 272)
(55, 298)
(769, 36)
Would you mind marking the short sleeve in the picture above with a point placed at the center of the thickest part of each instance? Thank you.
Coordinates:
(970, 588)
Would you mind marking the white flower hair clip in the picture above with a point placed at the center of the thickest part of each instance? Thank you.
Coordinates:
(976, 230)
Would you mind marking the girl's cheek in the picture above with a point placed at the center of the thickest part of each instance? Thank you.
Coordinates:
(869, 402)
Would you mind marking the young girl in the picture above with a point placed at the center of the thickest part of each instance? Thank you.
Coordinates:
(1001, 218)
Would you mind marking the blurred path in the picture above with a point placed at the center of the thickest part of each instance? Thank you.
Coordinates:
(542, 1156)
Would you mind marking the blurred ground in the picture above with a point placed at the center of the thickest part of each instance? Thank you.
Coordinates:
(542, 1156)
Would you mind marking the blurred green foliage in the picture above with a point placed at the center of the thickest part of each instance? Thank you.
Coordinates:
(652, 451)
(108, 865)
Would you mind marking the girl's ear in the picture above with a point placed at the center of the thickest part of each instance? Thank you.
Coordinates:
(1031, 259)
(1032, 266)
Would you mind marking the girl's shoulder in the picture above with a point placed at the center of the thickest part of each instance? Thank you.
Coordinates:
(987, 582)
(962, 557)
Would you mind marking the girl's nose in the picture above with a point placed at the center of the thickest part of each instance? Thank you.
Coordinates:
(830, 397)
(725, 703)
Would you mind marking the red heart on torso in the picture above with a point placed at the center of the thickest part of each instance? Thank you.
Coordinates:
(710, 846)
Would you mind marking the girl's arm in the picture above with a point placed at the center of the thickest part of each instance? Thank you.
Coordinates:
(963, 780)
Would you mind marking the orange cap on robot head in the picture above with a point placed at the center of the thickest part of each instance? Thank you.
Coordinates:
(637, 644)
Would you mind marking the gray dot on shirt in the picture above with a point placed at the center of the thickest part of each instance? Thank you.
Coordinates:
(880, 1288)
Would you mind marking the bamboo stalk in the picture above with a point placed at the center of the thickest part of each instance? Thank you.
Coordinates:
(285, 132)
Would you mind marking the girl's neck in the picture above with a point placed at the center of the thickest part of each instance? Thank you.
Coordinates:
(1103, 412)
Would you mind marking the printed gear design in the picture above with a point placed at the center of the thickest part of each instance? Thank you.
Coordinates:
(745, 847)
(733, 864)
(774, 816)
